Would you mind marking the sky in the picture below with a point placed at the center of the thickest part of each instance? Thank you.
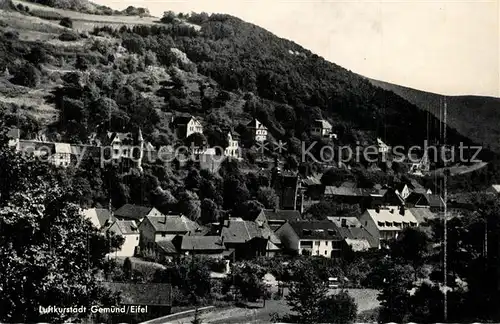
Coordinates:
(447, 47)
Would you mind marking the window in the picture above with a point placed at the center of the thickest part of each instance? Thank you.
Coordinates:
(326, 243)
(317, 243)
(137, 238)
(162, 234)
(317, 252)
(326, 252)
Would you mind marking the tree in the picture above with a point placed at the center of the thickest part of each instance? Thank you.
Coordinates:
(338, 308)
(268, 197)
(27, 75)
(305, 293)
(412, 245)
(209, 211)
(49, 251)
(248, 278)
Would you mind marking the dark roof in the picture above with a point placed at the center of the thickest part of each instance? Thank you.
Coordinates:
(127, 226)
(357, 233)
(435, 201)
(346, 191)
(167, 246)
(173, 224)
(282, 215)
(142, 294)
(202, 243)
(350, 221)
(133, 211)
(240, 231)
(316, 230)
(400, 186)
(417, 198)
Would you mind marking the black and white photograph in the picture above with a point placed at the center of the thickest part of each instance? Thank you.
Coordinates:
(249, 161)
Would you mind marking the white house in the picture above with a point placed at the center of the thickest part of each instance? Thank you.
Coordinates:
(187, 125)
(321, 128)
(258, 129)
(382, 147)
(14, 135)
(99, 217)
(61, 155)
(233, 149)
(312, 237)
(386, 223)
(129, 231)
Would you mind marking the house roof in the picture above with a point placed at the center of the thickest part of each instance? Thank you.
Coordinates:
(418, 199)
(346, 191)
(202, 243)
(36, 147)
(142, 294)
(167, 246)
(172, 224)
(435, 201)
(133, 211)
(423, 214)
(311, 181)
(496, 187)
(355, 234)
(282, 215)
(62, 148)
(325, 230)
(98, 216)
(350, 221)
(240, 231)
(389, 218)
(323, 123)
(127, 227)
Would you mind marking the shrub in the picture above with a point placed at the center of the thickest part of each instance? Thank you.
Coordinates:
(69, 37)
(27, 75)
(66, 22)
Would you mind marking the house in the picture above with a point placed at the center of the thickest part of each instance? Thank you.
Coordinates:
(311, 237)
(187, 125)
(61, 155)
(129, 231)
(156, 228)
(419, 200)
(99, 217)
(422, 215)
(233, 148)
(313, 188)
(402, 190)
(248, 239)
(345, 221)
(322, 128)
(436, 203)
(386, 223)
(417, 165)
(135, 212)
(14, 135)
(212, 246)
(258, 129)
(392, 198)
(125, 147)
(210, 161)
(156, 296)
(358, 238)
(382, 147)
(277, 217)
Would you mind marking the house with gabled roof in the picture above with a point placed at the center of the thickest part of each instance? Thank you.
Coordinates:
(156, 228)
(322, 128)
(358, 238)
(233, 148)
(316, 237)
(187, 125)
(129, 230)
(277, 217)
(135, 212)
(14, 135)
(385, 223)
(249, 239)
(258, 130)
(99, 217)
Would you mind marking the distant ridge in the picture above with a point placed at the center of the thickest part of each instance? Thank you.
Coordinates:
(476, 117)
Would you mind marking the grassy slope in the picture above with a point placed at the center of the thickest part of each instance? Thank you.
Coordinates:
(474, 116)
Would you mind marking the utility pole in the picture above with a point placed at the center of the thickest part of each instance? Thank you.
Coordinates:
(445, 222)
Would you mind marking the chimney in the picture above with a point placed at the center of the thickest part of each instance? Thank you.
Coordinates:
(402, 211)
(344, 222)
(391, 211)
(377, 209)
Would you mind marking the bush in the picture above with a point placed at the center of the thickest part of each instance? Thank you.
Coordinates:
(27, 75)
(69, 37)
(66, 22)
